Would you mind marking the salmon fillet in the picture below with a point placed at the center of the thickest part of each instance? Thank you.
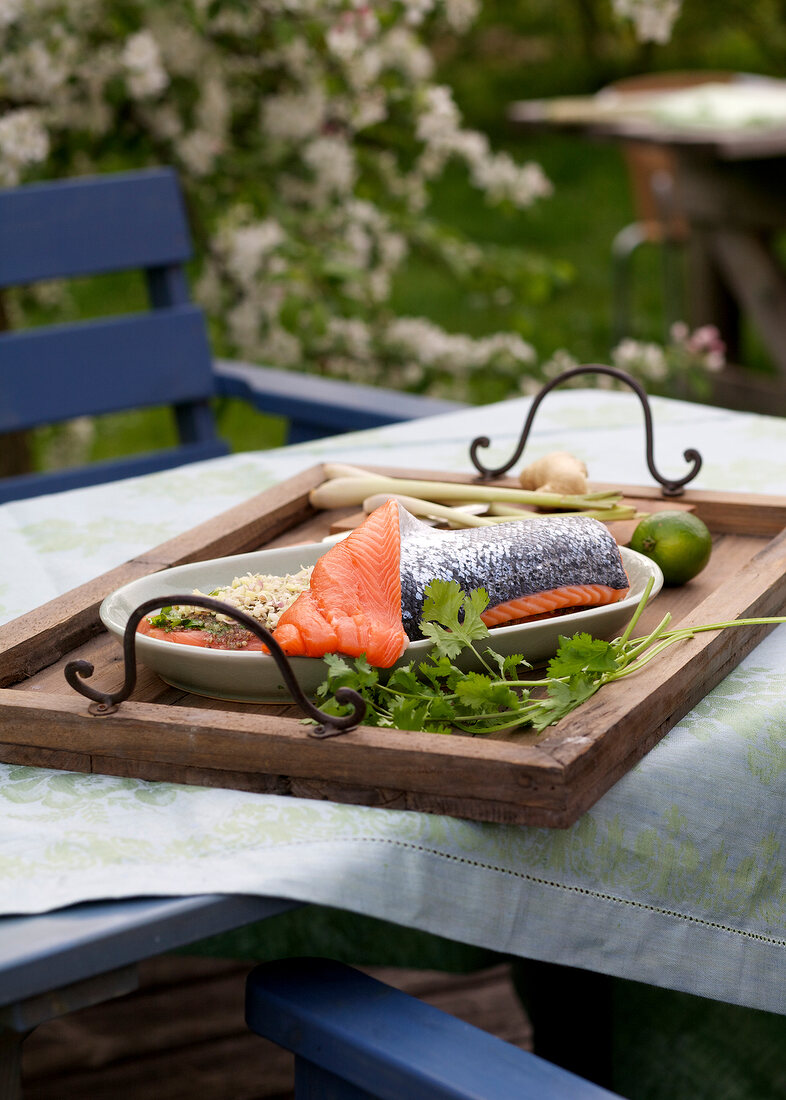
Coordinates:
(353, 605)
(528, 568)
(546, 603)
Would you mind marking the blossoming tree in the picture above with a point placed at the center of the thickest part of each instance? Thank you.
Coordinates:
(308, 134)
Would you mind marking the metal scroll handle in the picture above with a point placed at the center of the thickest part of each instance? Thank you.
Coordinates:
(669, 488)
(104, 702)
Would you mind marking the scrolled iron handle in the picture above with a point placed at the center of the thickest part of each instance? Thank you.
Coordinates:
(669, 488)
(104, 702)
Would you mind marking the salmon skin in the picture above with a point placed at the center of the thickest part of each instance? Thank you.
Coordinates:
(528, 567)
(367, 592)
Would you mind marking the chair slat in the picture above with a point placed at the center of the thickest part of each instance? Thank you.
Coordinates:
(30, 485)
(390, 1045)
(56, 481)
(53, 374)
(93, 224)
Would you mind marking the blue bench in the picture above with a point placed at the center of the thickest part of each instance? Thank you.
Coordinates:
(161, 357)
(355, 1038)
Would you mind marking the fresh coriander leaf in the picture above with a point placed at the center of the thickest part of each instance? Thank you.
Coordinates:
(440, 672)
(172, 618)
(441, 709)
(582, 653)
(367, 675)
(409, 714)
(562, 698)
(475, 603)
(443, 602)
(447, 642)
(404, 680)
(512, 663)
(480, 693)
(336, 665)
(360, 676)
(508, 666)
(451, 619)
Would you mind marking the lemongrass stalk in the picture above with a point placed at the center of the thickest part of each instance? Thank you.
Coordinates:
(343, 469)
(427, 508)
(607, 514)
(340, 492)
(457, 518)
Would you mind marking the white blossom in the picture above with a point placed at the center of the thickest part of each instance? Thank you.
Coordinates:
(243, 324)
(333, 164)
(367, 110)
(501, 178)
(417, 10)
(35, 73)
(439, 118)
(653, 20)
(559, 362)
(10, 10)
(198, 151)
(351, 334)
(351, 33)
(282, 348)
(23, 141)
(644, 359)
(142, 60)
(249, 246)
(457, 352)
(401, 51)
(296, 116)
(461, 14)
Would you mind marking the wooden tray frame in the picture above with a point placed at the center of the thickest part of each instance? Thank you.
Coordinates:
(164, 734)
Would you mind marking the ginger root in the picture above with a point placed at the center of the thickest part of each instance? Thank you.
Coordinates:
(558, 472)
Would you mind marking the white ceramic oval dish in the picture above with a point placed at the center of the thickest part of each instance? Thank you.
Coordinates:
(255, 678)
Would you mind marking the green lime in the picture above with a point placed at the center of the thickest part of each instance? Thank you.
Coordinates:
(676, 541)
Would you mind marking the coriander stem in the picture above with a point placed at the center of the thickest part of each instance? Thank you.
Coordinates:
(639, 608)
(688, 631)
(639, 645)
(644, 659)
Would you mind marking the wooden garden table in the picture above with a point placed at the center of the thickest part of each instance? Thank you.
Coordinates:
(730, 189)
(673, 878)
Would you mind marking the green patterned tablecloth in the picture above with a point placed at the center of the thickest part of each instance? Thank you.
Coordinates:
(675, 877)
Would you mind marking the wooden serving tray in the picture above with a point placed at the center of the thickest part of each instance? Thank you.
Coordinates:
(161, 733)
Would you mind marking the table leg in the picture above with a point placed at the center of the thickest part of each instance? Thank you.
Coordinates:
(19, 1019)
(749, 266)
(571, 1015)
(11, 1063)
(711, 302)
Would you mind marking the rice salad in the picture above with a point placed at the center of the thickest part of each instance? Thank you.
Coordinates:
(262, 596)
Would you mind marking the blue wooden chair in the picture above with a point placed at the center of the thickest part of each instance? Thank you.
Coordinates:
(355, 1038)
(162, 357)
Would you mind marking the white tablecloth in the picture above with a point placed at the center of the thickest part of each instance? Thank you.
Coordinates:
(675, 877)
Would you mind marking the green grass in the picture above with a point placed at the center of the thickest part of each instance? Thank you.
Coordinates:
(577, 224)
